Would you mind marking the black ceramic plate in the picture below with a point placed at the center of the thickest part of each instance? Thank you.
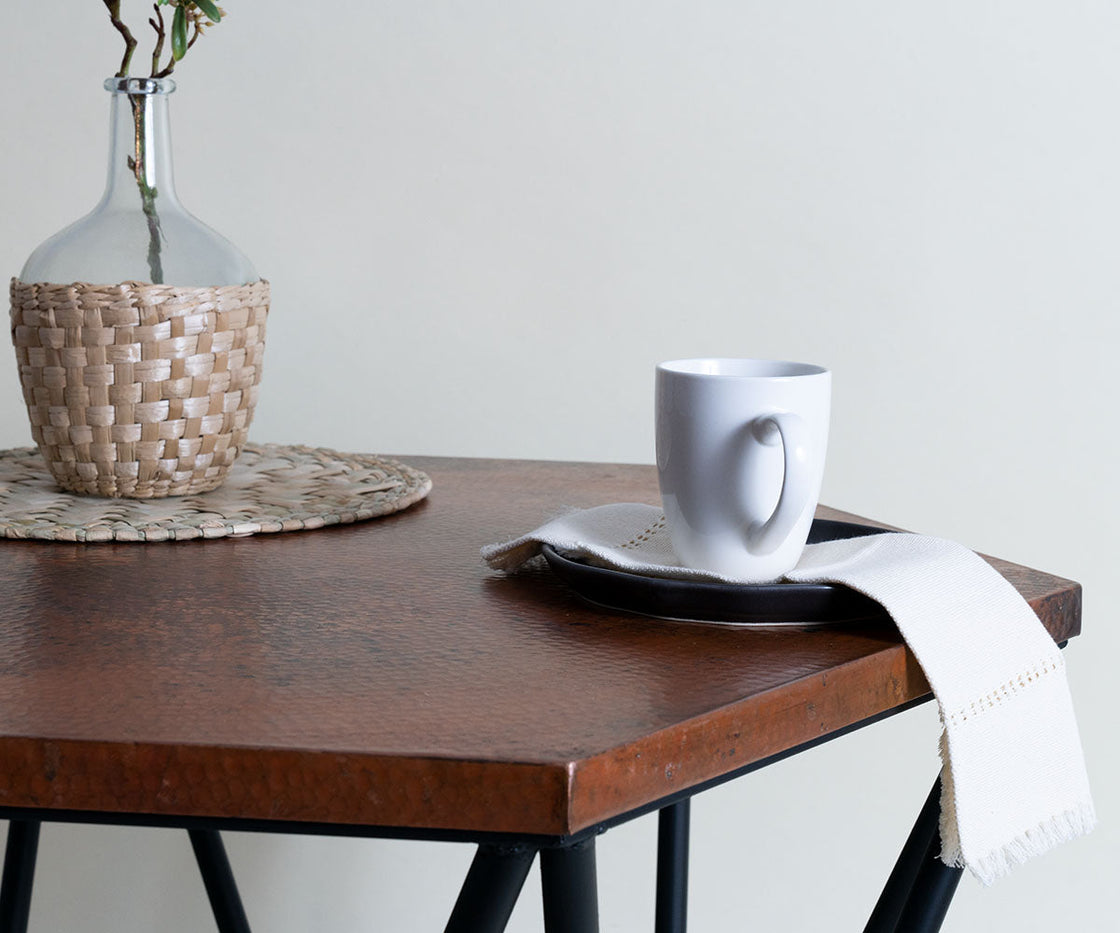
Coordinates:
(741, 604)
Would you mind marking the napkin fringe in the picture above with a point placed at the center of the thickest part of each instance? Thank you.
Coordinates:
(951, 853)
(1078, 820)
(1063, 827)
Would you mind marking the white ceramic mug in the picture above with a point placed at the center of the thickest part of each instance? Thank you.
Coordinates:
(740, 457)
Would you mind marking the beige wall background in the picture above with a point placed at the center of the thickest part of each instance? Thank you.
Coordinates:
(485, 222)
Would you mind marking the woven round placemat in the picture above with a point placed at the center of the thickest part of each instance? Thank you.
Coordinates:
(270, 488)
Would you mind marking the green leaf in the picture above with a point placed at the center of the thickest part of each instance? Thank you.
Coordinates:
(179, 33)
(210, 9)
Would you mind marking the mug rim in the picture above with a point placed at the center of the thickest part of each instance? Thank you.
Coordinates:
(722, 367)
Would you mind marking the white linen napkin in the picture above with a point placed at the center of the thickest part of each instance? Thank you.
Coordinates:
(1013, 779)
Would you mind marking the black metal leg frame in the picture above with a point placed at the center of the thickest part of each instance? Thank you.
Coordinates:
(920, 888)
(915, 900)
(225, 902)
(19, 873)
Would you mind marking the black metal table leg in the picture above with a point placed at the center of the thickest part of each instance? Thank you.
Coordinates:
(931, 895)
(884, 918)
(920, 887)
(19, 874)
(218, 878)
(490, 889)
(569, 888)
(671, 913)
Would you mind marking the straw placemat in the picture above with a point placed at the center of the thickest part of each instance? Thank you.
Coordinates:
(270, 488)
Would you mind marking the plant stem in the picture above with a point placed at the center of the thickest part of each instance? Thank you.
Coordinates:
(159, 47)
(161, 32)
(114, 8)
(148, 194)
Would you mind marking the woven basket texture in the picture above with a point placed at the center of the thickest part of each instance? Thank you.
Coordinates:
(272, 488)
(137, 390)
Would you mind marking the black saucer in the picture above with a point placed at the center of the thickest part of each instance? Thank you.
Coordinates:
(799, 604)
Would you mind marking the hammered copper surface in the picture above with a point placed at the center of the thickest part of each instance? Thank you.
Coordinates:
(383, 676)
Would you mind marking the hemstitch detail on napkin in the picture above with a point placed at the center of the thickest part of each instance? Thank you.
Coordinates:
(639, 539)
(1016, 684)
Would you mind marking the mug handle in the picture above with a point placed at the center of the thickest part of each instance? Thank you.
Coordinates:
(791, 432)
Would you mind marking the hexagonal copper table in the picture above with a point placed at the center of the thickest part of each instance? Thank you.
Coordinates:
(377, 678)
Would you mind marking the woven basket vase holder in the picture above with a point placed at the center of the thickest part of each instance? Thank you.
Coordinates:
(139, 390)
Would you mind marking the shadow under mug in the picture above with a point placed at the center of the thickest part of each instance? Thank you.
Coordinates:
(740, 457)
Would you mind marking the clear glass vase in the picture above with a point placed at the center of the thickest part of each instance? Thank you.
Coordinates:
(139, 331)
(139, 231)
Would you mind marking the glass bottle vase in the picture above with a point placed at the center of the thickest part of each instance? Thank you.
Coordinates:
(139, 231)
(139, 331)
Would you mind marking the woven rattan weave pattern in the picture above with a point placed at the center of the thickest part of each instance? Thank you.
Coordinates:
(139, 390)
(270, 488)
